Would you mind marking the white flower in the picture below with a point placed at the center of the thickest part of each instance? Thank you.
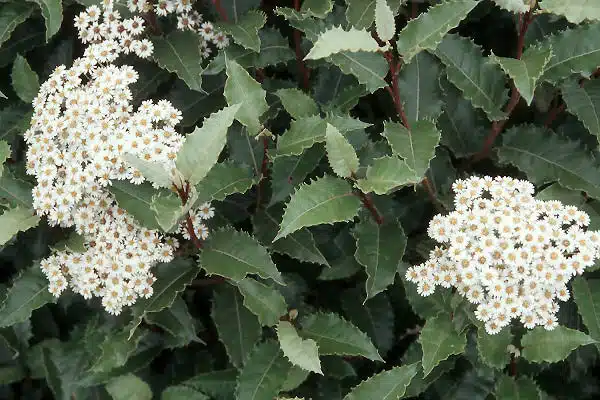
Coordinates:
(507, 252)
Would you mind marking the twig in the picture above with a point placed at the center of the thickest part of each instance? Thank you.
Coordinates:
(513, 366)
(189, 224)
(220, 9)
(264, 171)
(303, 72)
(368, 203)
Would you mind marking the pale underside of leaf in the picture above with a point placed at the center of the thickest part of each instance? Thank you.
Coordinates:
(336, 40)
(576, 11)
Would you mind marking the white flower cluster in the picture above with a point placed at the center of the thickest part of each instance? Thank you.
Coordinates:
(507, 252)
(187, 18)
(83, 125)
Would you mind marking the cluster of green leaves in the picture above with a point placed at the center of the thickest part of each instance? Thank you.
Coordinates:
(326, 136)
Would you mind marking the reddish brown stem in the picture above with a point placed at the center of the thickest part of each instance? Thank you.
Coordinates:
(264, 171)
(303, 72)
(368, 203)
(513, 366)
(554, 113)
(515, 96)
(414, 10)
(189, 225)
(220, 9)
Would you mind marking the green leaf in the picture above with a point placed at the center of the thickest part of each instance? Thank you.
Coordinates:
(360, 13)
(263, 374)
(586, 293)
(493, 349)
(386, 174)
(384, 21)
(369, 69)
(52, 375)
(235, 9)
(386, 385)
(584, 102)
(137, 201)
(297, 103)
(202, 148)
(14, 120)
(335, 335)
(289, 171)
(235, 254)
(180, 392)
(28, 292)
(439, 341)
(427, 30)
(545, 156)
(241, 88)
(416, 146)
(224, 179)
(4, 154)
(340, 153)
(168, 210)
(237, 327)
(483, 83)
(540, 345)
(302, 134)
(129, 387)
(524, 388)
(179, 52)
(317, 8)
(152, 171)
(171, 279)
(16, 191)
(575, 51)
(323, 201)
(300, 245)
(526, 72)
(420, 78)
(11, 16)
(576, 11)
(218, 384)
(177, 321)
(264, 301)
(301, 352)
(336, 40)
(245, 30)
(15, 220)
(52, 12)
(24, 80)
(115, 350)
(379, 248)
(516, 6)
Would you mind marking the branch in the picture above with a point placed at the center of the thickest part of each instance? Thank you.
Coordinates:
(189, 225)
(303, 72)
(220, 9)
(368, 203)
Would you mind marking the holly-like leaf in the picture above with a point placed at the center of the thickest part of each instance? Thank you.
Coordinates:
(152, 171)
(265, 301)
(340, 153)
(24, 80)
(416, 146)
(526, 72)
(439, 341)
(379, 248)
(386, 385)
(245, 30)
(587, 296)
(15, 220)
(287, 172)
(218, 384)
(584, 102)
(171, 279)
(386, 174)
(493, 349)
(545, 156)
(516, 6)
(16, 191)
(241, 88)
(12, 14)
(301, 352)
(300, 245)
(297, 103)
(202, 148)
(177, 321)
(317, 8)
(573, 51)
(384, 21)
(336, 40)
(264, 373)
(129, 387)
(302, 134)
(541, 345)
(323, 201)
(420, 78)
(369, 68)
(52, 11)
(576, 11)
(524, 388)
(427, 30)
(114, 351)
(235, 254)
(224, 179)
(29, 291)
(238, 328)
(483, 83)
(335, 335)
(179, 52)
